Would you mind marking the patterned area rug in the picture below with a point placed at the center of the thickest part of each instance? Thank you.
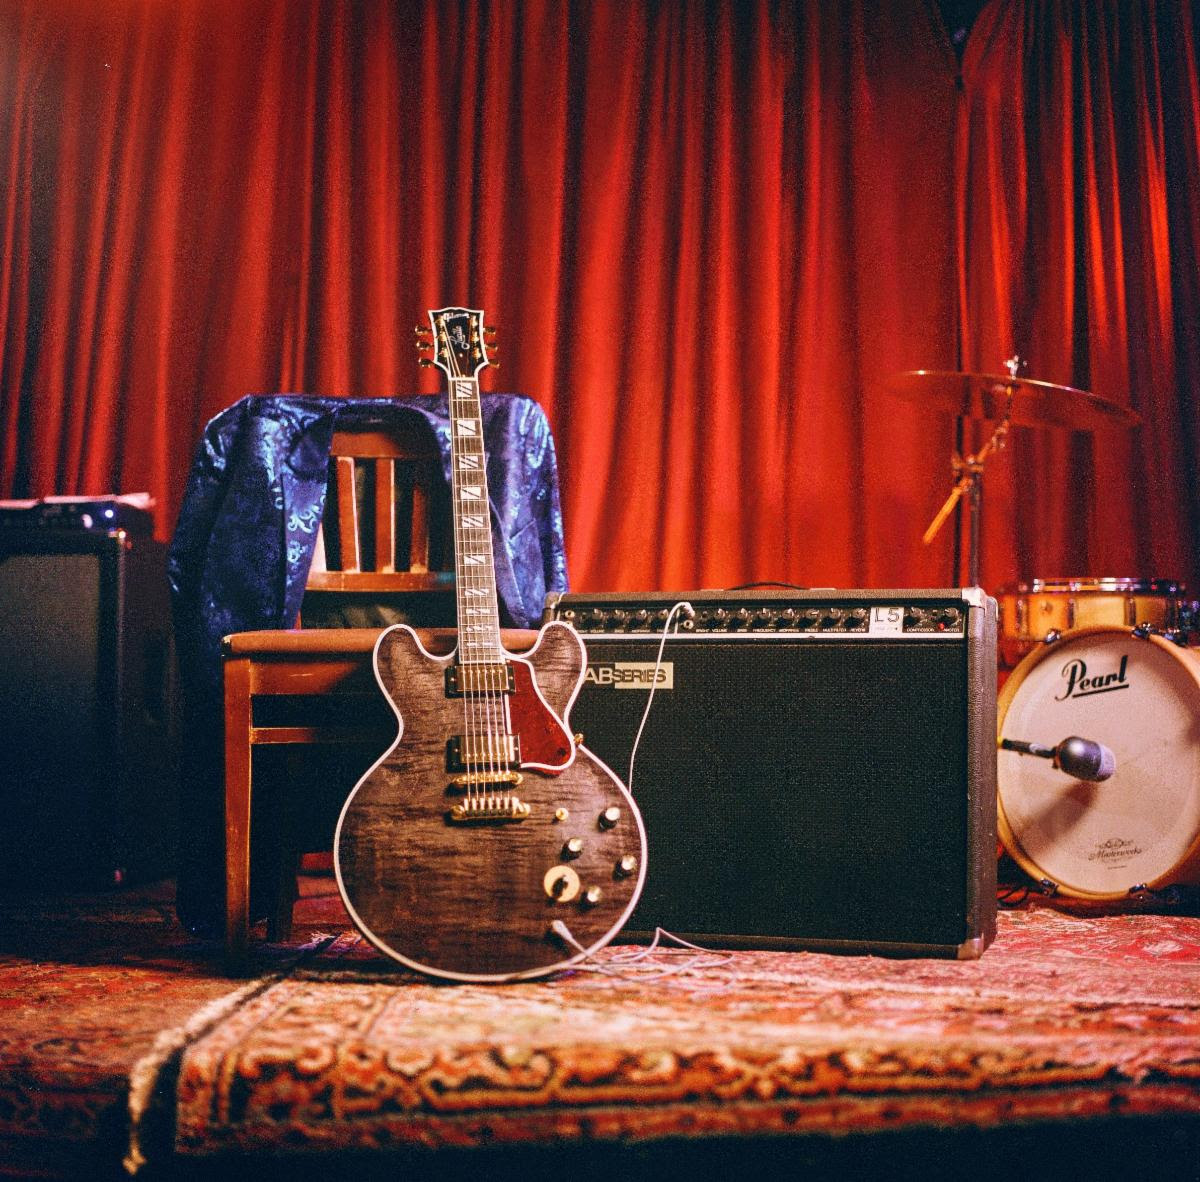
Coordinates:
(1070, 1017)
(1067, 1016)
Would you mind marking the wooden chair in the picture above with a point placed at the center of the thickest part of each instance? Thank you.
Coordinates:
(385, 533)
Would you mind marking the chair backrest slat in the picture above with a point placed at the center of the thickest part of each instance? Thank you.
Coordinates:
(347, 510)
(396, 470)
(385, 515)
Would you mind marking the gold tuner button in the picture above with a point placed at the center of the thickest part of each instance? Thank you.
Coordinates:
(421, 328)
(592, 896)
(578, 737)
(561, 884)
(489, 328)
(424, 363)
(572, 848)
(625, 867)
(561, 814)
(610, 817)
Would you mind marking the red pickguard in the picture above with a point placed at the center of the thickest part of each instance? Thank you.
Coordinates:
(544, 739)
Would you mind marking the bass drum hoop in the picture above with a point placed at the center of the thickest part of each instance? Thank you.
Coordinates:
(1185, 871)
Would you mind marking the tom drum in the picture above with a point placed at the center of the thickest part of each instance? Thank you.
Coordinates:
(1137, 694)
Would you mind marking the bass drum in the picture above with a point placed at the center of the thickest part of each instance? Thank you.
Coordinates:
(1139, 695)
(1030, 611)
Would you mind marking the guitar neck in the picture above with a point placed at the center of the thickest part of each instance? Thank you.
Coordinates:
(474, 567)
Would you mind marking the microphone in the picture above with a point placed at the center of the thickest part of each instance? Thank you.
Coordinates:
(1081, 758)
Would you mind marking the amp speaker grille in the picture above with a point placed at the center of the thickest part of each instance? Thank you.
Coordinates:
(807, 793)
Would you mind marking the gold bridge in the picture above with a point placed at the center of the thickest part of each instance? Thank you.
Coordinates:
(483, 809)
(471, 779)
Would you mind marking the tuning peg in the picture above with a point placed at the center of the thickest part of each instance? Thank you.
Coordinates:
(424, 363)
(422, 328)
(489, 330)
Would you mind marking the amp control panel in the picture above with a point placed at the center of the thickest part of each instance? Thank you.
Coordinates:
(753, 612)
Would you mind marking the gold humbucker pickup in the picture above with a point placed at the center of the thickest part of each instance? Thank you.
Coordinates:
(495, 677)
(465, 753)
(476, 809)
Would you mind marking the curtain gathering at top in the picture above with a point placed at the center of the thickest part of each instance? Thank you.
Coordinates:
(709, 233)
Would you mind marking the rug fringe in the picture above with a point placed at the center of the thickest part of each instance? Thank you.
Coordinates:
(146, 1074)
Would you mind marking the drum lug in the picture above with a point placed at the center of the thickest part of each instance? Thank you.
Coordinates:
(1170, 894)
(1052, 637)
(1048, 887)
(1144, 631)
(1177, 636)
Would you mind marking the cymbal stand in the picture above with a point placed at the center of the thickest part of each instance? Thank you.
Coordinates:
(969, 471)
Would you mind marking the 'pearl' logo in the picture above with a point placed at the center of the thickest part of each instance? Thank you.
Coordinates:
(1082, 685)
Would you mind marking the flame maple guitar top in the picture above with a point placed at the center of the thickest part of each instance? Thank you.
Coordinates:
(476, 900)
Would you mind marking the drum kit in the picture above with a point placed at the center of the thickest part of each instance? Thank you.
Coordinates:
(1098, 771)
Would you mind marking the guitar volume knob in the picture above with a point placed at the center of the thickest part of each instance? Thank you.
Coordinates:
(573, 847)
(625, 866)
(561, 884)
(610, 817)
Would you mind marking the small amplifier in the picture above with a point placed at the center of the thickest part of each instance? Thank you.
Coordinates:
(817, 769)
(89, 780)
(99, 514)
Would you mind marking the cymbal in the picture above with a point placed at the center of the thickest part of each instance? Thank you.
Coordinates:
(1034, 403)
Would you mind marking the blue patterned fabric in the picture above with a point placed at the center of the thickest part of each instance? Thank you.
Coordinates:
(245, 539)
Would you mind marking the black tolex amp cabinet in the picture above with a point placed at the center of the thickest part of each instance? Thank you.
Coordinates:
(817, 770)
(88, 775)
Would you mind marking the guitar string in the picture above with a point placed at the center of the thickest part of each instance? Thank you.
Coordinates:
(469, 736)
(484, 707)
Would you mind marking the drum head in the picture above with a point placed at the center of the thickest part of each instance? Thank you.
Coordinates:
(1140, 697)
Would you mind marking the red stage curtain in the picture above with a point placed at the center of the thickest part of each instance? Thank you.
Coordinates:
(707, 230)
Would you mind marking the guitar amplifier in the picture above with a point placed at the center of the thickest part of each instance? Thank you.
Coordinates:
(817, 769)
(88, 779)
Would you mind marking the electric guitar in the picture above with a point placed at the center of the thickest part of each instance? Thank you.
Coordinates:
(487, 844)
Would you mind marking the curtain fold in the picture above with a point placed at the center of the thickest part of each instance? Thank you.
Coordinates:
(707, 231)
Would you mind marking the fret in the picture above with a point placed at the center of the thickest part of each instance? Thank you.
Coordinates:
(458, 333)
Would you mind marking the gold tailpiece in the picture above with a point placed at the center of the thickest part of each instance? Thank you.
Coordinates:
(480, 809)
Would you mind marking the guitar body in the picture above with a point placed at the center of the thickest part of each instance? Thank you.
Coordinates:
(475, 900)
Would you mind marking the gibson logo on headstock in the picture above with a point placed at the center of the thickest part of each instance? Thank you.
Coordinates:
(1081, 684)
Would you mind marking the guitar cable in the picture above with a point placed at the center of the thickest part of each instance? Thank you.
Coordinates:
(681, 607)
(708, 958)
(637, 960)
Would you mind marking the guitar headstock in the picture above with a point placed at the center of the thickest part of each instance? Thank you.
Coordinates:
(462, 345)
